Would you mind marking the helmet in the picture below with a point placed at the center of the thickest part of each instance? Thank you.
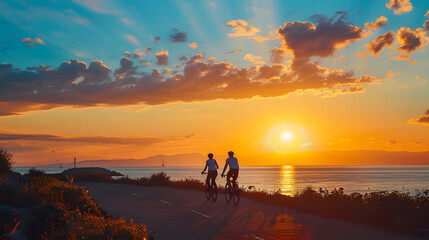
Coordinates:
(230, 153)
(210, 155)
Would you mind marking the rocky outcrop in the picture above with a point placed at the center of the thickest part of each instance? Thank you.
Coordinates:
(91, 170)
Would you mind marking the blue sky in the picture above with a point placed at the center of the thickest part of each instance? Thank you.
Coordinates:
(90, 30)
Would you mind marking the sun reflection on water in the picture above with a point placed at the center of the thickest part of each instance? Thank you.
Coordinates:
(287, 180)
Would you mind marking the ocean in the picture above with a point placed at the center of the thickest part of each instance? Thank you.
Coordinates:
(290, 179)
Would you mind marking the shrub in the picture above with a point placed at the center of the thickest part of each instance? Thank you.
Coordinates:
(32, 172)
(95, 227)
(5, 161)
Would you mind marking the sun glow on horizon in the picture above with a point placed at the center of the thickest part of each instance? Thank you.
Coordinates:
(285, 139)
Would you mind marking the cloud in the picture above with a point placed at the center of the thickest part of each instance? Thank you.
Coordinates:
(422, 119)
(277, 55)
(410, 39)
(162, 58)
(426, 27)
(133, 39)
(126, 68)
(390, 74)
(127, 21)
(257, 60)
(380, 22)
(427, 14)
(399, 6)
(241, 28)
(305, 40)
(94, 5)
(30, 42)
(156, 39)
(74, 83)
(178, 36)
(354, 89)
(193, 45)
(35, 40)
(212, 3)
(273, 36)
(138, 53)
(234, 51)
(90, 140)
(385, 40)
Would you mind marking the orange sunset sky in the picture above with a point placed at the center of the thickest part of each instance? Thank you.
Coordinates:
(123, 79)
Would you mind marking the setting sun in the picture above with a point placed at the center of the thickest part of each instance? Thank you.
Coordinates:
(286, 136)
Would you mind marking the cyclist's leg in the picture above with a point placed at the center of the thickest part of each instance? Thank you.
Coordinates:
(208, 179)
(229, 175)
(235, 174)
(214, 178)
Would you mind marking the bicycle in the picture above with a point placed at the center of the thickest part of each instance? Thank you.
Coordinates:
(232, 191)
(210, 191)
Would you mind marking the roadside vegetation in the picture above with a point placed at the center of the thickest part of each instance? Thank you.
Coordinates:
(39, 206)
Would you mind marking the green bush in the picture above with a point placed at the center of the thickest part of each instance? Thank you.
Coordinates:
(5, 161)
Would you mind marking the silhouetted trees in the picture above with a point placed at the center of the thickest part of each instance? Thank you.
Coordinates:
(5, 161)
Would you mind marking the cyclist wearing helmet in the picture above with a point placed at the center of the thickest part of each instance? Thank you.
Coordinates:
(211, 164)
(232, 162)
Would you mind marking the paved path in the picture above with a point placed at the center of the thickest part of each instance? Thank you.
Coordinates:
(183, 214)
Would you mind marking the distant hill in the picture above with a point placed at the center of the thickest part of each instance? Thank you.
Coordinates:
(357, 157)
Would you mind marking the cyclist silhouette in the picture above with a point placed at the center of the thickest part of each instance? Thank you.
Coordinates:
(232, 162)
(211, 164)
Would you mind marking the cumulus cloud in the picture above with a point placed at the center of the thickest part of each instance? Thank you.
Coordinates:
(178, 36)
(193, 45)
(422, 119)
(132, 39)
(385, 40)
(380, 22)
(257, 60)
(90, 140)
(126, 67)
(277, 55)
(30, 42)
(241, 28)
(427, 14)
(156, 39)
(399, 6)
(305, 40)
(410, 39)
(162, 58)
(138, 53)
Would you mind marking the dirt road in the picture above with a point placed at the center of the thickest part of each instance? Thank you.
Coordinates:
(183, 214)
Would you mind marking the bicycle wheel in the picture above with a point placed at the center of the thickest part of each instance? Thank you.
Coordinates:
(214, 193)
(207, 191)
(228, 192)
(236, 195)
